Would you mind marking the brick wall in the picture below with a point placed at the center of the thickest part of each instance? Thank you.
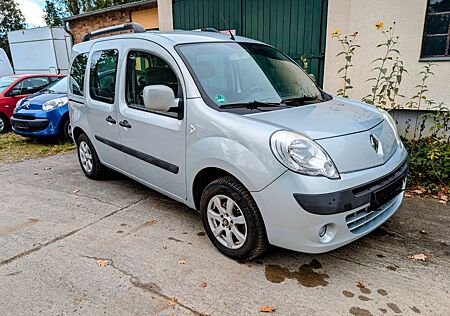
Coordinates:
(78, 27)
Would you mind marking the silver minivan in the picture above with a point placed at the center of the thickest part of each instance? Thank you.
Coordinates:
(236, 129)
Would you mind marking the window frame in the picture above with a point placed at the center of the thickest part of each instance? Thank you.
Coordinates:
(101, 98)
(426, 58)
(70, 90)
(180, 113)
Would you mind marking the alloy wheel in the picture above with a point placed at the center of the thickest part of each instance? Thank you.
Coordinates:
(227, 222)
(85, 156)
(2, 125)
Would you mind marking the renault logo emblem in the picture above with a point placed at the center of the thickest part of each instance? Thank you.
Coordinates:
(376, 145)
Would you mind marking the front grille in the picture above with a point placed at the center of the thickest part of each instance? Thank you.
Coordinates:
(23, 116)
(365, 219)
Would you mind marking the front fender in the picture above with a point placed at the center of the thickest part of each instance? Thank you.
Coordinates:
(253, 167)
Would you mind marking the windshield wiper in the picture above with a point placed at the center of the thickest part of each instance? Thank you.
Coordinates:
(303, 99)
(252, 105)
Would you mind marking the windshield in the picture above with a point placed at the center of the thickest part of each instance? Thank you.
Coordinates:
(5, 82)
(234, 73)
(59, 86)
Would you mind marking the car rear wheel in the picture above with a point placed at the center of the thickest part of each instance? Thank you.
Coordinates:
(232, 219)
(89, 161)
(4, 124)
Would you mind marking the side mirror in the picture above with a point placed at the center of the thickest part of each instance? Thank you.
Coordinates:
(13, 92)
(159, 98)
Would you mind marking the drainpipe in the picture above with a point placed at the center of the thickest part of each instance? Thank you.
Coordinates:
(165, 15)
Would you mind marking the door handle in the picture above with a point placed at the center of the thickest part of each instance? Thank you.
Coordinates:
(109, 119)
(125, 123)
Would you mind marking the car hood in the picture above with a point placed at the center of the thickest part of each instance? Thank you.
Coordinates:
(346, 129)
(35, 101)
(332, 118)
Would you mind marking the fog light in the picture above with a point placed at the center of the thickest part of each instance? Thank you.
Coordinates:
(323, 231)
(326, 233)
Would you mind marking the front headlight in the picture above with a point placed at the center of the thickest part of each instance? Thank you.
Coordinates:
(302, 155)
(392, 124)
(55, 103)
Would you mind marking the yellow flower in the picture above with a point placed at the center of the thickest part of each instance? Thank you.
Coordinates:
(379, 25)
(336, 32)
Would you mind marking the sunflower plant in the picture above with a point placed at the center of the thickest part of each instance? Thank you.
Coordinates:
(348, 50)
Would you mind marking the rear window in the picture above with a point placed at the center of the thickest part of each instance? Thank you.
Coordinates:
(77, 72)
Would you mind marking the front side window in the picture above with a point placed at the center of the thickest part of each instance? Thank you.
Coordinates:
(77, 72)
(241, 73)
(32, 85)
(102, 80)
(436, 41)
(145, 69)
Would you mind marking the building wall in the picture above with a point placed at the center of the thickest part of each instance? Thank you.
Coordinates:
(361, 16)
(148, 18)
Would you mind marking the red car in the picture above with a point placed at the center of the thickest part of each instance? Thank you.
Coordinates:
(15, 87)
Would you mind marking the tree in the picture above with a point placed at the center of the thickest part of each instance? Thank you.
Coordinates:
(54, 13)
(11, 19)
(74, 7)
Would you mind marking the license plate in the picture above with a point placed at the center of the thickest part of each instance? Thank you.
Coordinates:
(21, 124)
(387, 193)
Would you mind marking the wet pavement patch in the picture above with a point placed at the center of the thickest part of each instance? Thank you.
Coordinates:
(394, 308)
(201, 234)
(174, 239)
(348, 294)
(415, 310)
(358, 311)
(364, 298)
(382, 292)
(305, 275)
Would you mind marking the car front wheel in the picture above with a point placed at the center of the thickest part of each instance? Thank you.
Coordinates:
(232, 219)
(4, 124)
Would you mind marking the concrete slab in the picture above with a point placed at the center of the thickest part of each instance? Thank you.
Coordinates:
(158, 261)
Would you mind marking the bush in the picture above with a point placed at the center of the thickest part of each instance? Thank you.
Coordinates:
(429, 164)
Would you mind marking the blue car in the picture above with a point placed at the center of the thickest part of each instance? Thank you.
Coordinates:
(44, 114)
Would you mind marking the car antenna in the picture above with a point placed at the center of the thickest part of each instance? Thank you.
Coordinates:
(226, 25)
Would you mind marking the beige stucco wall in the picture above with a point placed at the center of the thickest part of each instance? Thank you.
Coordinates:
(361, 16)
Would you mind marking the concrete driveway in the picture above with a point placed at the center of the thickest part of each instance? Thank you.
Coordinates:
(69, 245)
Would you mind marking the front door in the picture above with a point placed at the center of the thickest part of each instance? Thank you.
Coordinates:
(102, 102)
(154, 141)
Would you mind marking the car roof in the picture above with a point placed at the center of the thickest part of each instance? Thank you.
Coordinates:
(171, 38)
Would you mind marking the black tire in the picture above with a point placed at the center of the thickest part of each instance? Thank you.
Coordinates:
(65, 135)
(98, 170)
(256, 242)
(4, 124)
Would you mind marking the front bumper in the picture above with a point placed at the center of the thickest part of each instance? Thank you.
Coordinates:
(35, 123)
(291, 226)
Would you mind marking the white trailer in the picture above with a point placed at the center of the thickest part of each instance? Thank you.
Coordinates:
(40, 50)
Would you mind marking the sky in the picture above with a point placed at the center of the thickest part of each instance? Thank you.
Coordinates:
(33, 11)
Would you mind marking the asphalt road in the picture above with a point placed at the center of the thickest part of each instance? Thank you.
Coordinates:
(69, 245)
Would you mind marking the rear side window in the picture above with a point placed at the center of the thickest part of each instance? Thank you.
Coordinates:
(102, 80)
(77, 72)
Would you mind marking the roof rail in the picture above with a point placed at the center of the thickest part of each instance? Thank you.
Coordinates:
(136, 27)
(209, 29)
